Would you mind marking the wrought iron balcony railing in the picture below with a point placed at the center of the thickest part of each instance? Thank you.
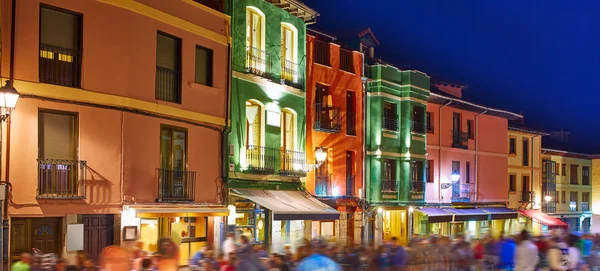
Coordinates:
(460, 139)
(258, 62)
(388, 185)
(322, 53)
(390, 123)
(327, 118)
(585, 206)
(292, 163)
(417, 186)
(168, 85)
(176, 185)
(61, 179)
(322, 184)
(261, 160)
(351, 123)
(462, 192)
(291, 74)
(419, 127)
(350, 180)
(60, 66)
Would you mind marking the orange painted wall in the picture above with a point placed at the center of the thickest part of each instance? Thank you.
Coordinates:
(339, 83)
(492, 163)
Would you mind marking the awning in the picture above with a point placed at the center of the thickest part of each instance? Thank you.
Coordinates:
(500, 212)
(469, 214)
(436, 215)
(289, 205)
(188, 210)
(545, 219)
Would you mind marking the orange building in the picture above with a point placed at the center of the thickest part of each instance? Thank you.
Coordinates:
(334, 112)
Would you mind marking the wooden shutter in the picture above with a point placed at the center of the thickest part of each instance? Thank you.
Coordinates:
(58, 136)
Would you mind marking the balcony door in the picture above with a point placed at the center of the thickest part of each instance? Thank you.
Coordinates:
(350, 177)
(254, 39)
(253, 124)
(288, 155)
(323, 106)
(456, 122)
(173, 179)
(288, 46)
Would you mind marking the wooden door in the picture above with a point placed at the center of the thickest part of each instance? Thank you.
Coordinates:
(46, 235)
(98, 233)
(20, 238)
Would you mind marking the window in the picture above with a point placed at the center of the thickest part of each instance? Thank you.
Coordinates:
(585, 175)
(557, 197)
(417, 120)
(512, 146)
(58, 135)
(173, 148)
(346, 60)
(204, 66)
(557, 169)
(416, 184)
(468, 172)
(253, 124)
(456, 168)
(512, 183)
(429, 171)
(321, 52)
(168, 68)
(429, 122)
(60, 47)
(287, 130)
(525, 152)
(573, 196)
(585, 201)
(573, 176)
(255, 48)
(564, 196)
(289, 67)
(350, 175)
(564, 169)
(470, 129)
(390, 116)
(525, 183)
(350, 113)
(388, 178)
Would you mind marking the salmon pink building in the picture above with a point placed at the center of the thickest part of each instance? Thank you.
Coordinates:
(334, 112)
(117, 135)
(467, 162)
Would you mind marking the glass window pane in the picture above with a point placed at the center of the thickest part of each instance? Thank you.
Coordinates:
(167, 49)
(59, 28)
(165, 148)
(58, 136)
(204, 66)
(179, 150)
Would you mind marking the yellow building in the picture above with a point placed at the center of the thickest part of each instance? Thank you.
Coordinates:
(595, 193)
(573, 194)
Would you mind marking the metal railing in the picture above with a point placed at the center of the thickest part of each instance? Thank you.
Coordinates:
(60, 66)
(389, 185)
(462, 192)
(419, 127)
(168, 85)
(549, 207)
(322, 184)
(417, 186)
(346, 61)
(291, 75)
(585, 206)
(327, 118)
(322, 53)
(261, 160)
(258, 62)
(292, 163)
(350, 180)
(460, 139)
(351, 123)
(176, 185)
(390, 123)
(61, 179)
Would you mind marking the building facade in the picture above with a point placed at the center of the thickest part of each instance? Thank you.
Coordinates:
(334, 113)
(123, 104)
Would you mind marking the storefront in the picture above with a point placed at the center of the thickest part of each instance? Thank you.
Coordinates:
(432, 221)
(190, 226)
(500, 218)
(540, 222)
(278, 217)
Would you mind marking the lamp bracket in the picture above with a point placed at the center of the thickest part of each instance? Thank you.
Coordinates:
(3, 117)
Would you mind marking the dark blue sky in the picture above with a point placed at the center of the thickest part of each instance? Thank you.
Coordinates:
(538, 58)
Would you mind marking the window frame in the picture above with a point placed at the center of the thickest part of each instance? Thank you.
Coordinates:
(467, 172)
(512, 148)
(209, 65)
(173, 128)
(574, 170)
(429, 172)
(512, 182)
(564, 196)
(585, 175)
(429, 122)
(260, 115)
(41, 126)
(262, 25)
(526, 154)
(179, 57)
(470, 129)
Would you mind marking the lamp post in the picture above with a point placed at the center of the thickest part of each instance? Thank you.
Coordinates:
(8, 99)
(547, 198)
(320, 156)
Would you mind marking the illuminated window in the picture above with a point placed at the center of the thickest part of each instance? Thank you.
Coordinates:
(289, 68)
(255, 27)
(253, 123)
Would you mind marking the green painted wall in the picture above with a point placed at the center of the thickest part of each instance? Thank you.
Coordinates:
(405, 89)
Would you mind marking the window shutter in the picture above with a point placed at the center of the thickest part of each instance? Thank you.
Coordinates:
(58, 136)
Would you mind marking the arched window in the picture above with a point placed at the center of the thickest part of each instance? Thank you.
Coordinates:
(253, 123)
(289, 52)
(288, 121)
(255, 38)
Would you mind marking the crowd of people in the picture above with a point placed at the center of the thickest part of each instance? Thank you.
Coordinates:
(554, 252)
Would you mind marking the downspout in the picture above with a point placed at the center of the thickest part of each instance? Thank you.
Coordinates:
(531, 179)
(227, 127)
(364, 153)
(11, 78)
(477, 154)
(440, 154)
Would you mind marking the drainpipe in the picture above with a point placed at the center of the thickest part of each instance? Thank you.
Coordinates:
(531, 180)
(227, 127)
(440, 154)
(364, 153)
(477, 155)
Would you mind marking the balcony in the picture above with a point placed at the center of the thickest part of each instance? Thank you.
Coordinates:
(322, 184)
(327, 118)
(417, 186)
(549, 207)
(389, 186)
(176, 185)
(585, 206)
(390, 124)
(261, 160)
(258, 62)
(168, 85)
(419, 127)
(462, 192)
(291, 75)
(460, 139)
(322, 53)
(350, 179)
(60, 66)
(292, 163)
(351, 123)
(61, 179)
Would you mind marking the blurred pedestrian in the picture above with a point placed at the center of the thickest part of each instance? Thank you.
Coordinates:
(316, 260)
(146, 265)
(526, 253)
(229, 245)
(24, 264)
(507, 247)
(248, 258)
(397, 255)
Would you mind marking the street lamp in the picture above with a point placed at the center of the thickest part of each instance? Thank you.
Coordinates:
(547, 198)
(320, 155)
(455, 177)
(8, 99)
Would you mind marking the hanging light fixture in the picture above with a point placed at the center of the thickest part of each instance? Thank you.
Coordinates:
(8, 99)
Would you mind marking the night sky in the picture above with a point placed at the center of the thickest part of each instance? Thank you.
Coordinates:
(538, 60)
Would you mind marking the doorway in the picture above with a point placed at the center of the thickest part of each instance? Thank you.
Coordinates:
(40, 233)
(98, 233)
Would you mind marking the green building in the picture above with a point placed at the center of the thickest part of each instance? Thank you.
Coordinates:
(266, 148)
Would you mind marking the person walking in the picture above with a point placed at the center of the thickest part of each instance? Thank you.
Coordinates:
(24, 264)
(397, 255)
(316, 259)
(526, 253)
(507, 254)
(249, 260)
(558, 255)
